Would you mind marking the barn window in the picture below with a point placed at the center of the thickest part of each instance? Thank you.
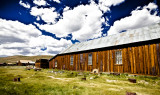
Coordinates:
(71, 60)
(118, 57)
(90, 59)
(55, 65)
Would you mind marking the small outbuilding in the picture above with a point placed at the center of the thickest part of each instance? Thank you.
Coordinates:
(42, 63)
(25, 62)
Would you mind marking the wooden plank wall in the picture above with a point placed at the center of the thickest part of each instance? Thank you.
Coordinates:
(38, 65)
(143, 59)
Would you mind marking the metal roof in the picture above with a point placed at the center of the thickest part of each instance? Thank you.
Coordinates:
(26, 61)
(131, 36)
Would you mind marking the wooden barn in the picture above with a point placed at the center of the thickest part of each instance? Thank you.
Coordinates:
(42, 63)
(25, 62)
(135, 51)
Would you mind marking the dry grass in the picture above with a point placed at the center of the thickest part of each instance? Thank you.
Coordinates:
(69, 83)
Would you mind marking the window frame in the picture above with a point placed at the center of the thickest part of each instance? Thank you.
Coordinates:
(55, 64)
(90, 61)
(118, 57)
(71, 60)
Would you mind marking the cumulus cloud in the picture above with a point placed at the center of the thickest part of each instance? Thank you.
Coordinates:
(151, 6)
(105, 4)
(46, 14)
(58, 1)
(83, 22)
(26, 5)
(40, 2)
(138, 18)
(65, 9)
(19, 39)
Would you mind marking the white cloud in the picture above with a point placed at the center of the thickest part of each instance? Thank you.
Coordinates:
(40, 2)
(65, 9)
(84, 22)
(138, 18)
(19, 39)
(46, 14)
(26, 5)
(105, 4)
(151, 6)
(58, 1)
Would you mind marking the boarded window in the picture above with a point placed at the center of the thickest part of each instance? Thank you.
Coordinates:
(71, 60)
(118, 57)
(55, 64)
(90, 59)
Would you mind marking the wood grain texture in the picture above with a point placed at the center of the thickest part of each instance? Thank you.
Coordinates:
(144, 59)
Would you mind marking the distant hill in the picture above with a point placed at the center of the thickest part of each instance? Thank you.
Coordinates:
(14, 59)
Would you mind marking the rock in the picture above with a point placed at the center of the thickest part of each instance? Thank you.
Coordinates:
(80, 74)
(37, 69)
(18, 79)
(130, 93)
(132, 80)
(91, 78)
(83, 79)
(15, 79)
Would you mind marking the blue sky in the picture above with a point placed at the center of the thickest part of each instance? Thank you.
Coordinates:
(46, 27)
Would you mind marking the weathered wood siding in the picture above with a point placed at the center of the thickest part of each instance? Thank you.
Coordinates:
(38, 65)
(42, 64)
(19, 63)
(143, 59)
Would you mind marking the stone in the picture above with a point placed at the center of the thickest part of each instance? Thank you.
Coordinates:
(18, 79)
(132, 80)
(15, 79)
(37, 69)
(83, 79)
(91, 78)
(80, 74)
(130, 93)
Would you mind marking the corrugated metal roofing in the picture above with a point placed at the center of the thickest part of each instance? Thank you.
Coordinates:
(26, 61)
(130, 36)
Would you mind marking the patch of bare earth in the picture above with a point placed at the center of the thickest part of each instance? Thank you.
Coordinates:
(62, 79)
